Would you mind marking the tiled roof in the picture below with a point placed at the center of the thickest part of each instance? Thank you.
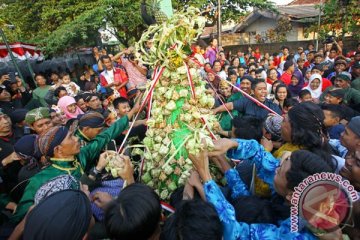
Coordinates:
(302, 2)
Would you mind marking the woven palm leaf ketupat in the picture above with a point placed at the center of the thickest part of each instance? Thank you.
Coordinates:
(180, 113)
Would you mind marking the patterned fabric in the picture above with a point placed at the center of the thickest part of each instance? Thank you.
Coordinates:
(37, 114)
(111, 187)
(54, 185)
(240, 230)
(265, 163)
(340, 149)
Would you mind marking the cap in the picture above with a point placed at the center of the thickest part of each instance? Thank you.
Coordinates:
(340, 61)
(344, 76)
(337, 92)
(356, 64)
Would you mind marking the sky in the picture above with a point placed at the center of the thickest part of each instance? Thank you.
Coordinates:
(281, 2)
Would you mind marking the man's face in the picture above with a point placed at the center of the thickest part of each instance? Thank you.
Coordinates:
(5, 125)
(82, 105)
(42, 125)
(329, 99)
(350, 140)
(260, 92)
(301, 64)
(241, 72)
(91, 133)
(310, 56)
(123, 109)
(5, 95)
(356, 71)
(108, 64)
(280, 180)
(341, 83)
(286, 51)
(306, 98)
(58, 119)
(245, 85)
(94, 103)
(351, 170)
(70, 145)
(357, 57)
(330, 120)
(317, 71)
(332, 54)
(340, 67)
(226, 91)
(40, 80)
(62, 93)
(54, 78)
(318, 60)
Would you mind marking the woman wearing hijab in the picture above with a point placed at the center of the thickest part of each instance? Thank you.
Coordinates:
(68, 106)
(296, 83)
(315, 86)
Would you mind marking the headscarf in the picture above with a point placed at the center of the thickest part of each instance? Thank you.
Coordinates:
(37, 114)
(50, 139)
(66, 101)
(297, 88)
(317, 92)
(63, 215)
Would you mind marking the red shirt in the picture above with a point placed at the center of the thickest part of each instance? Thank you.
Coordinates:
(286, 78)
(119, 76)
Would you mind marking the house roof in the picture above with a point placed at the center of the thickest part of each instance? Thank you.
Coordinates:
(299, 11)
(302, 2)
(295, 12)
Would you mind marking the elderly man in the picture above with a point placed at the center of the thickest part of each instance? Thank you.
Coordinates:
(39, 120)
(351, 95)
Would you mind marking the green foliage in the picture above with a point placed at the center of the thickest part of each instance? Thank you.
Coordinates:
(230, 9)
(339, 17)
(57, 25)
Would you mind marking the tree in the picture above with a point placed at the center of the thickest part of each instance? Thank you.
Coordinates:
(339, 17)
(57, 25)
(230, 9)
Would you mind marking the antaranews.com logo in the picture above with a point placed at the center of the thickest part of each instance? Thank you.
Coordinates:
(324, 201)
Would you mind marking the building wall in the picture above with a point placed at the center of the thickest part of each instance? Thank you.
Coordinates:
(349, 44)
(260, 26)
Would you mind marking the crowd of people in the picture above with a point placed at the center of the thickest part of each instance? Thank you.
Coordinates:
(57, 139)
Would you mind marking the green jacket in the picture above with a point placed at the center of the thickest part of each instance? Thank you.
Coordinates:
(85, 159)
(356, 84)
(352, 96)
(225, 118)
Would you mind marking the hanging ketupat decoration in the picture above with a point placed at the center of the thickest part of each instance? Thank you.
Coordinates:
(180, 108)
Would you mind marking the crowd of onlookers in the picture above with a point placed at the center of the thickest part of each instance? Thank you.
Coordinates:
(57, 139)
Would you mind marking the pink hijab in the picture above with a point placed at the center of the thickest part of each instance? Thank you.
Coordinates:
(66, 101)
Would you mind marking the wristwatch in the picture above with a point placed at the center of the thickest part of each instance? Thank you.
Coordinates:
(95, 173)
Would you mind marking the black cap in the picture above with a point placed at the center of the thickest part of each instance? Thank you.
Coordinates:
(337, 92)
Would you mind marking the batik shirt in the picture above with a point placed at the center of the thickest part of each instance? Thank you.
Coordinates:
(266, 165)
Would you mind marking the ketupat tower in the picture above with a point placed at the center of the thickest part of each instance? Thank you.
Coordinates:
(180, 113)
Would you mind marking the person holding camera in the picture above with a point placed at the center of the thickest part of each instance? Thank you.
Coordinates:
(135, 70)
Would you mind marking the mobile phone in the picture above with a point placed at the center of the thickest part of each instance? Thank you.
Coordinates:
(12, 76)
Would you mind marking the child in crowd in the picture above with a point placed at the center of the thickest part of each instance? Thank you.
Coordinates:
(122, 108)
(305, 95)
(333, 116)
(71, 87)
(68, 106)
